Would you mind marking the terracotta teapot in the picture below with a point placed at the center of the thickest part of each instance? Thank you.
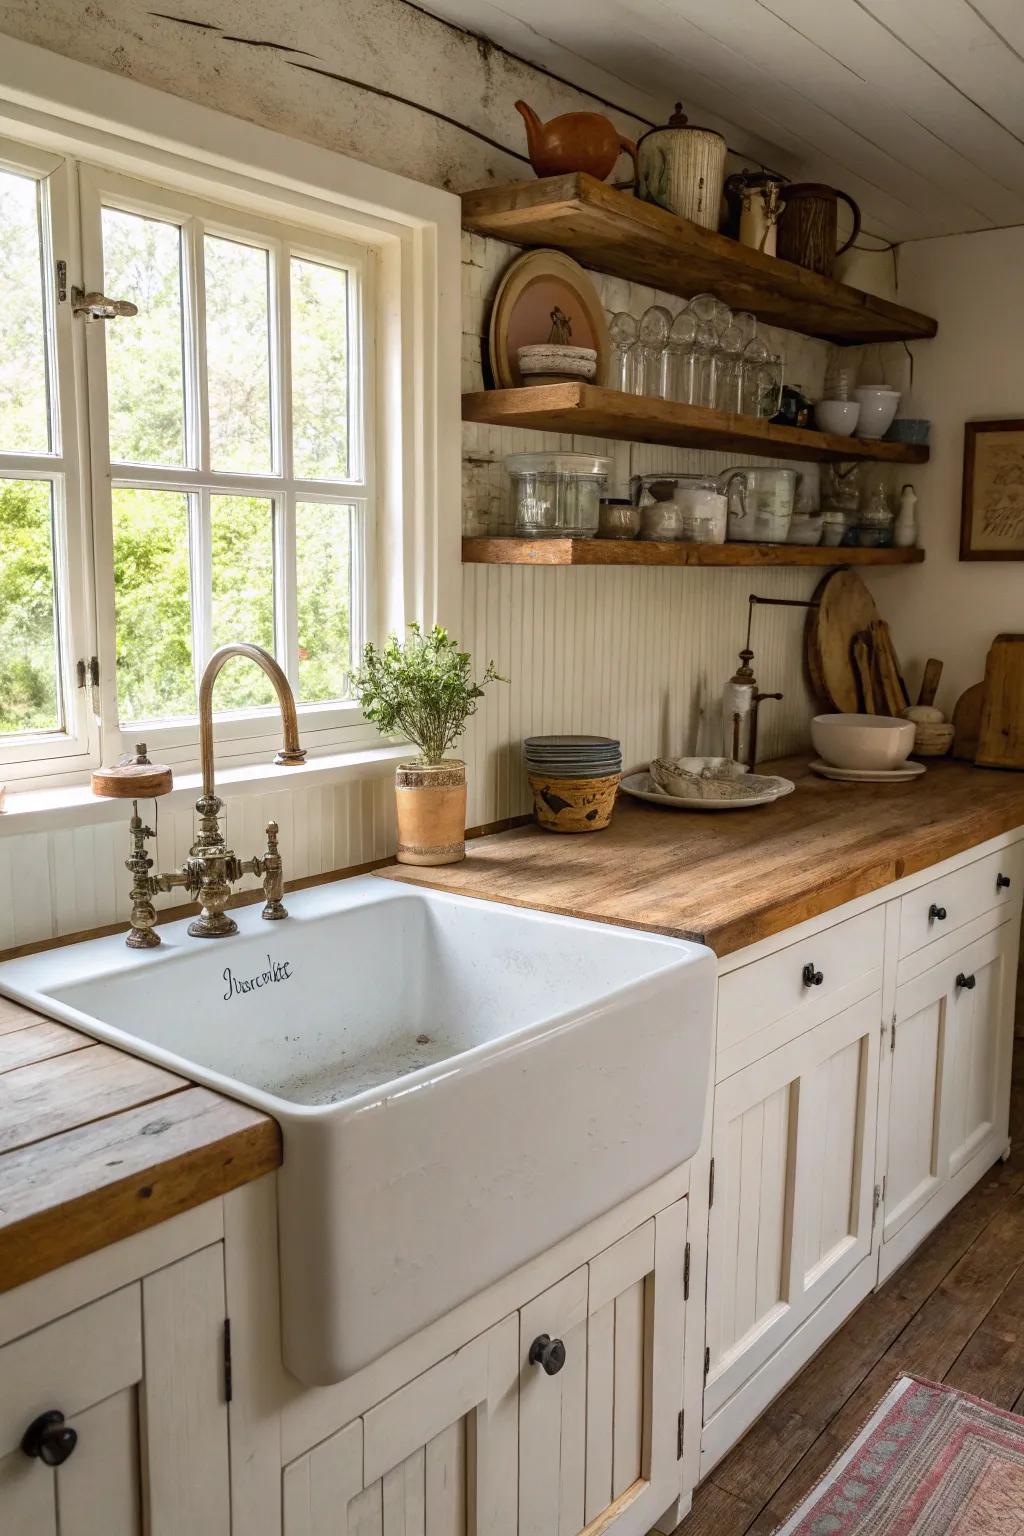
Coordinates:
(576, 141)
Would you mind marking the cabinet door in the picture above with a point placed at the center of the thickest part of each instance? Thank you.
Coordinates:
(437, 1458)
(949, 1064)
(598, 1438)
(791, 1216)
(984, 1045)
(137, 1376)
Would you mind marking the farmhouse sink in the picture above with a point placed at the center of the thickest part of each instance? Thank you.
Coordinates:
(459, 1084)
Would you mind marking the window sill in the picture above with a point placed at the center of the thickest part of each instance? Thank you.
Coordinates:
(48, 810)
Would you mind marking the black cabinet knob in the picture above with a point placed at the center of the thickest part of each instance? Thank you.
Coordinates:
(812, 978)
(936, 914)
(49, 1438)
(547, 1352)
(967, 983)
(1003, 882)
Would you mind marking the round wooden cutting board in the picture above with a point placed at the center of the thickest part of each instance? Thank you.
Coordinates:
(845, 608)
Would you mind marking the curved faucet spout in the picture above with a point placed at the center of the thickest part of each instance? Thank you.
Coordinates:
(291, 753)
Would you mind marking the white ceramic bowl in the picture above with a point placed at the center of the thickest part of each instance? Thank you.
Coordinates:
(838, 416)
(863, 741)
(877, 409)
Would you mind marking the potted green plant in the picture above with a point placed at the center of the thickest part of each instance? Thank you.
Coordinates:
(423, 689)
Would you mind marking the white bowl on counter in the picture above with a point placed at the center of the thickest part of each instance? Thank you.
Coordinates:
(878, 406)
(877, 743)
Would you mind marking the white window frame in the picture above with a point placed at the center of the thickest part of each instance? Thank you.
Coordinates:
(336, 723)
(75, 746)
(57, 106)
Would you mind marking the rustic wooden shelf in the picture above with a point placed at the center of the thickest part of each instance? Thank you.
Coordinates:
(643, 552)
(596, 412)
(615, 232)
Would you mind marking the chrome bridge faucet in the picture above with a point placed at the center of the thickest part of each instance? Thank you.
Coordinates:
(212, 867)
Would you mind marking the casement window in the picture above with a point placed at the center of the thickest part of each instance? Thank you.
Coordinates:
(258, 442)
(229, 452)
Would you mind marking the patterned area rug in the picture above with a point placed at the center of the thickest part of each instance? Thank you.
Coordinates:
(931, 1461)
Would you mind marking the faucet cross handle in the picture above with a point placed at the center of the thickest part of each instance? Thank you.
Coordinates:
(273, 877)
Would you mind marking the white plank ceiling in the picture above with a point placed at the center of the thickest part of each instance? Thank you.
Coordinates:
(915, 107)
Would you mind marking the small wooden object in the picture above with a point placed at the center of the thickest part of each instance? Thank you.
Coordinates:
(933, 739)
(1001, 735)
(967, 722)
(845, 609)
(861, 652)
(930, 681)
(134, 779)
(890, 688)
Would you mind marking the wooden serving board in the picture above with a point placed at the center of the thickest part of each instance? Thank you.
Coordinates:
(1001, 734)
(845, 609)
(967, 722)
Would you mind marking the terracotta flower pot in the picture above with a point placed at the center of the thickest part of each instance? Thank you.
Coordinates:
(431, 802)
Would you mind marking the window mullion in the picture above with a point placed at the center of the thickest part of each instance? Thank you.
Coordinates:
(201, 576)
(286, 604)
(197, 390)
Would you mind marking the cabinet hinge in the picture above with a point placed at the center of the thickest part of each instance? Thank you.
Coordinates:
(711, 1185)
(679, 1436)
(707, 1361)
(877, 1199)
(227, 1360)
(88, 672)
(686, 1273)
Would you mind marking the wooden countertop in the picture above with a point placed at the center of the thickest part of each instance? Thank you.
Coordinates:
(96, 1145)
(730, 879)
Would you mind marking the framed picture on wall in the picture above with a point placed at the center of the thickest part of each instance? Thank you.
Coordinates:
(992, 516)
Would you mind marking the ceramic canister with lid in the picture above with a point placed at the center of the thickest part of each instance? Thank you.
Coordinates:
(681, 167)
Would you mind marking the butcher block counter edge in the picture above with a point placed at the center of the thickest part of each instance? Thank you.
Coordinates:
(732, 879)
(96, 1145)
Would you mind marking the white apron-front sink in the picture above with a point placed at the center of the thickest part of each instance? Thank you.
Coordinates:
(459, 1084)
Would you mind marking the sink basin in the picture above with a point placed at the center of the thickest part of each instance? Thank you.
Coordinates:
(460, 1084)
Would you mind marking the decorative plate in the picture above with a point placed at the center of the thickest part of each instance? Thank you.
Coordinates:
(869, 775)
(533, 288)
(767, 789)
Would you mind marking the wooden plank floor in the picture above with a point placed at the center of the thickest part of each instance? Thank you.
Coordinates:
(954, 1312)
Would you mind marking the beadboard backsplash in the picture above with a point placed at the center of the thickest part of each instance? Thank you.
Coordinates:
(633, 652)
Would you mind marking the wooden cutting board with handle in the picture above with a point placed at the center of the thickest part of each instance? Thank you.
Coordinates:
(967, 722)
(1001, 734)
(845, 609)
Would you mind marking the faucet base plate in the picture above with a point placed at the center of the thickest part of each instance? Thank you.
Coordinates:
(213, 925)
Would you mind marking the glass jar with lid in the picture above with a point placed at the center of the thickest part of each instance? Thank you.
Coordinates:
(686, 509)
(557, 495)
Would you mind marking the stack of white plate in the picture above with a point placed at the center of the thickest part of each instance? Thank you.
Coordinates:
(572, 757)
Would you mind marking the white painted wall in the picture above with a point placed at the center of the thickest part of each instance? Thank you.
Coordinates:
(615, 651)
(973, 369)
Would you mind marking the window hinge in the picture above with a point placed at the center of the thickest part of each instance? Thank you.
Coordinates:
(88, 672)
(227, 1360)
(679, 1436)
(892, 1037)
(711, 1185)
(707, 1361)
(686, 1273)
(62, 282)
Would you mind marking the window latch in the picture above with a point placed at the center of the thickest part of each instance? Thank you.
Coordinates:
(62, 282)
(96, 306)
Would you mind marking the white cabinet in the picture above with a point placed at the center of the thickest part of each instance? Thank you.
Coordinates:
(599, 1437)
(438, 1456)
(946, 1084)
(791, 1215)
(138, 1378)
(562, 1414)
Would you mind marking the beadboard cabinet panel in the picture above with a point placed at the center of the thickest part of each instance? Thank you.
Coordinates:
(793, 1146)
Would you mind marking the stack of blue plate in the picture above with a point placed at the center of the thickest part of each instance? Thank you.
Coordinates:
(572, 757)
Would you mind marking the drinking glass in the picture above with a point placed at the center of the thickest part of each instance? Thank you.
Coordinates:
(755, 355)
(732, 369)
(622, 368)
(709, 364)
(684, 359)
(652, 345)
